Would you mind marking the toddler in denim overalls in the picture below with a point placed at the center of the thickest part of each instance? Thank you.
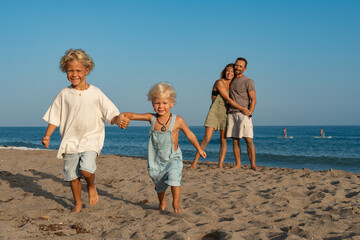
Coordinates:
(164, 155)
(164, 163)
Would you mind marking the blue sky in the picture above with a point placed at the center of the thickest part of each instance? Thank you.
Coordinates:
(303, 55)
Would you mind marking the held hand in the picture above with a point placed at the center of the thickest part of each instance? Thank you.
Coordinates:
(45, 141)
(202, 153)
(246, 112)
(122, 121)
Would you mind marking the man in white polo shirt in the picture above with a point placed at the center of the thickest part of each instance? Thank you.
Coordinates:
(242, 91)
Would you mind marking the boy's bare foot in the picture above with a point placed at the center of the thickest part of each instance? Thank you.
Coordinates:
(93, 195)
(237, 166)
(77, 208)
(254, 168)
(177, 208)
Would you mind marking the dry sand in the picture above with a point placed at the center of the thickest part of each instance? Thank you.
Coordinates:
(273, 203)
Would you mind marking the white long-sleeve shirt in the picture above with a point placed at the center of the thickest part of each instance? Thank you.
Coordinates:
(81, 116)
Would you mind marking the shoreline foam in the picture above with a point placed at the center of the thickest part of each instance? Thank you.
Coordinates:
(20, 148)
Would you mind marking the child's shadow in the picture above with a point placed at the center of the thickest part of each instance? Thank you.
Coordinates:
(29, 185)
(101, 192)
(142, 204)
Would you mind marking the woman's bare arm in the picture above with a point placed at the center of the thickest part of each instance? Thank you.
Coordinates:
(223, 92)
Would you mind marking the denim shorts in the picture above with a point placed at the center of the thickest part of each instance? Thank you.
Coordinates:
(73, 163)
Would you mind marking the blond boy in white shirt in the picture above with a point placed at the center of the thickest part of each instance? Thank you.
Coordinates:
(80, 111)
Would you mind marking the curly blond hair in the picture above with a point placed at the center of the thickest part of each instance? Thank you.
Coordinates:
(76, 55)
(161, 90)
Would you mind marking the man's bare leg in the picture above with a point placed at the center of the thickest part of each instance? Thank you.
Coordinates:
(90, 185)
(251, 152)
(76, 191)
(176, 192)
(237, 152)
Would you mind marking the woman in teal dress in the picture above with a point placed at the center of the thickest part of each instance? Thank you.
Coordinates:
(217, 115)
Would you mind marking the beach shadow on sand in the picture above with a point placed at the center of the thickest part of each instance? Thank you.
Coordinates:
(30, 186)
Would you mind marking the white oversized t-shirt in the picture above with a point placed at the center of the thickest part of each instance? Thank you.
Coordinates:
(81, 116)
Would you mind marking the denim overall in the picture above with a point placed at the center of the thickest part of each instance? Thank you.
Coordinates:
(164, 163)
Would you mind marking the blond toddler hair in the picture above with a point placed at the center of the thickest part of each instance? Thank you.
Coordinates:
(161, 90)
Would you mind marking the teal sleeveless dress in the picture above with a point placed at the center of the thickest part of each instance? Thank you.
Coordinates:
(164, 163)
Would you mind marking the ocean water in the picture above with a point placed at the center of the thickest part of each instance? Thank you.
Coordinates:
(341, 151)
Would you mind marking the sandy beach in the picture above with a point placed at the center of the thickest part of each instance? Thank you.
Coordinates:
(273, 203)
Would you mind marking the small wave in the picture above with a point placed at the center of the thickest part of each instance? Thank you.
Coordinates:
(306, 159)
(313, 163)
(19, 148)
(21, 144)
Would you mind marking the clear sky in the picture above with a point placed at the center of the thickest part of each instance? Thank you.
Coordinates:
(303, 55)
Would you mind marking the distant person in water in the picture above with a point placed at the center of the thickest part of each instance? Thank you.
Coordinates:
(322, 133)
(285, 133)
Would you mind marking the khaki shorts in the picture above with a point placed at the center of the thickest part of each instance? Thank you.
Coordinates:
(239, 126)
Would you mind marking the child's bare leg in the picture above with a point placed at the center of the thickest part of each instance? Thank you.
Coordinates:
(90, 185)
(176, 192)
(162, 201)
(76, 190)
